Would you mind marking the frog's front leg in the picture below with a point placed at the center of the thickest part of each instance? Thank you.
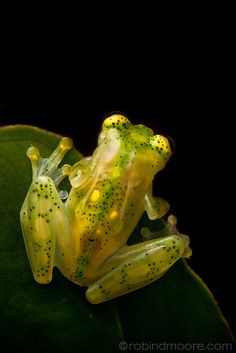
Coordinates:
(156, 207)
(136, 266)
(44, 222)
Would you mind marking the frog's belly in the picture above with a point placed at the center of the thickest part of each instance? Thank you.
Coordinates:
(98, 235)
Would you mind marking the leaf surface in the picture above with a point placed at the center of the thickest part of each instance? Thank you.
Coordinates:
(57, 317)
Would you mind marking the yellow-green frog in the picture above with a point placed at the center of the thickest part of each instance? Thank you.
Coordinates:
(86, 236)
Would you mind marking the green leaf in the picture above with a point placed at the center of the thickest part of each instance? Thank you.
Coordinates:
(57, 317)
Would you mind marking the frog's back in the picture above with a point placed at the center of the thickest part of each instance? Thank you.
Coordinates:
(111, 202)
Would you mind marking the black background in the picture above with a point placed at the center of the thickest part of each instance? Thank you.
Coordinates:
(180, 90)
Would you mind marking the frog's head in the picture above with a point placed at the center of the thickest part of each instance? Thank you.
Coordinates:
(120, 135)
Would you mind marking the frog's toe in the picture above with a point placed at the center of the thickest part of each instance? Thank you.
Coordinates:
(49, 166)
(172, 229)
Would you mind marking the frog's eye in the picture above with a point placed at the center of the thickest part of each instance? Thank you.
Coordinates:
(114, 121)
(161, 144)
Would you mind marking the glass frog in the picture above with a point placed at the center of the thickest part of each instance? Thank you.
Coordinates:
(86, 236)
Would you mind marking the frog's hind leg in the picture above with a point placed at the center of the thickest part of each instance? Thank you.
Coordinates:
(45, 229)
(44, 222)
(134, 267)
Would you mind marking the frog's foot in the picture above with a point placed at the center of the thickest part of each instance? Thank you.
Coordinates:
(134, 267)
(170, 228)
(80, 172)
(49, 166)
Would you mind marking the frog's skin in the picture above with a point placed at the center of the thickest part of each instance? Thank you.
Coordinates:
(86, 236)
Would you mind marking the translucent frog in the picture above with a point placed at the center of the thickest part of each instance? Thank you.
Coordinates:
(85, 233)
